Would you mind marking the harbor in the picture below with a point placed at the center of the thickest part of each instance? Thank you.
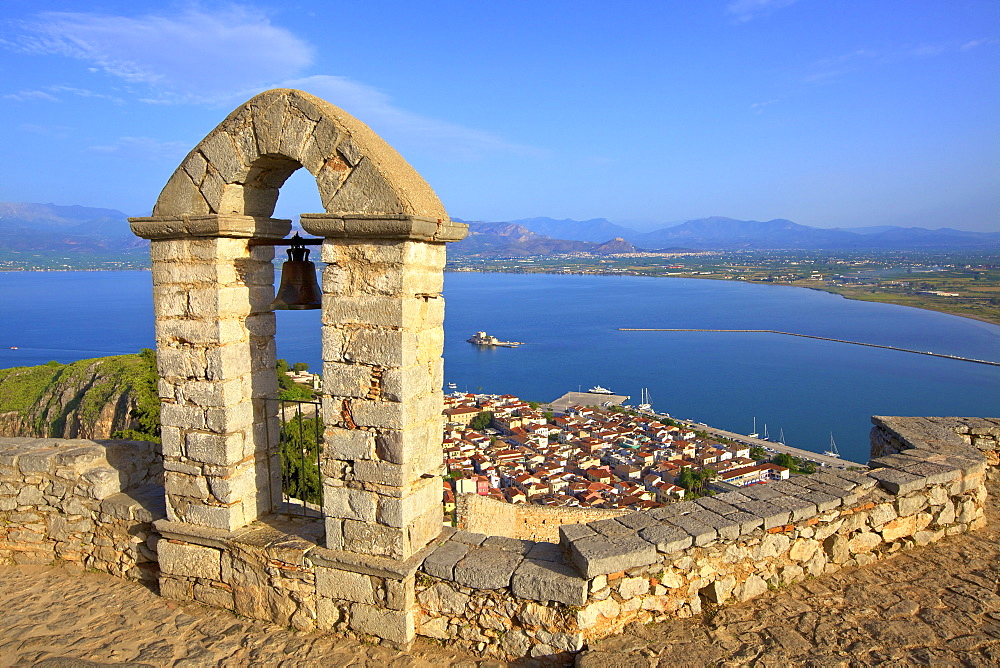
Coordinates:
(808, 455)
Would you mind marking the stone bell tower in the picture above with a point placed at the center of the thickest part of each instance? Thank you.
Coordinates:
(384, 233)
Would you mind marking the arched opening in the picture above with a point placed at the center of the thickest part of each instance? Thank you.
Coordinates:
(297, 342)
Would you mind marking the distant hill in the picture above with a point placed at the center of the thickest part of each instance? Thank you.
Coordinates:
(514, 240)
(728, 233)
(87, 232)
(597, 230)
(720, 233)
(26, 226)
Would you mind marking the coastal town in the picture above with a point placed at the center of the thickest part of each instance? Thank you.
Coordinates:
(590, 453)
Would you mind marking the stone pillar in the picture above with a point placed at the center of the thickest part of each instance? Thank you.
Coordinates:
(216, 357)
(383, 337)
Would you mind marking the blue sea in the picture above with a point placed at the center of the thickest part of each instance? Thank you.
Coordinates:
(805, 389)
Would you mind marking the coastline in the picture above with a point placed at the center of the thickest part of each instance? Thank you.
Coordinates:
(929, 307)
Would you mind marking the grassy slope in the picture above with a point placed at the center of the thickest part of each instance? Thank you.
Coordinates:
(49, 393)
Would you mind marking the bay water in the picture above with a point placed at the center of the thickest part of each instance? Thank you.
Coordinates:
(805, 389)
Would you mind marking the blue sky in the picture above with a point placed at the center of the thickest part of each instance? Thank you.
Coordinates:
(831, 113)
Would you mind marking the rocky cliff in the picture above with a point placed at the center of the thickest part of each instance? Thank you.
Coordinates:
(107, 397)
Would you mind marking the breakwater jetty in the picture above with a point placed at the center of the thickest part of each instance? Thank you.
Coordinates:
(811, 336)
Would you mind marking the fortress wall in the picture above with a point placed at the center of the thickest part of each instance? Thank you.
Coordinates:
(92, 503)
(87, 503)
(514, 597)
(480, 514)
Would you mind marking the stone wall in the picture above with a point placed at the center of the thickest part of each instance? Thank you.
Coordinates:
(93, 504)
(513, 597)
(481, 514)
(89, 503)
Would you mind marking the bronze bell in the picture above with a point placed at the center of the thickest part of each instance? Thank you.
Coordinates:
(299, 290)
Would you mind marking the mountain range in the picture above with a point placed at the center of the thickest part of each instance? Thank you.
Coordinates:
(719, 233)
(50, 228)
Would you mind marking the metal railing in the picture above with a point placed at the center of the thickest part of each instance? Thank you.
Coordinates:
(300, 443)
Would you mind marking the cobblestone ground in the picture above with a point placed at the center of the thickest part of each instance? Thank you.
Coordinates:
(938, 605)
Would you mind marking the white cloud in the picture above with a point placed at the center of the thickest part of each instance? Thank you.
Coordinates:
(222, 58)
(449, 140)
(194, 56)
(758, 107)
(972, 44)
(747, 10)
(144, 148)
(29, 95)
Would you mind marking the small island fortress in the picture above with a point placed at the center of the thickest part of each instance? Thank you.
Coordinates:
(484, 339)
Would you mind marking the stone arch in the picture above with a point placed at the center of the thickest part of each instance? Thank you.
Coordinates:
(238, 168)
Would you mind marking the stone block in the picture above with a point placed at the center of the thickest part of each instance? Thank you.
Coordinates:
(441, 562)
(348, 444)
(895, 481)
(376, 539)
(542, 551)
(223, 449)
(770, 514)
(549, 581)
(344, 379)
(395, 626)
(725, 527)
(510, 544)
(632, 587)
(469, 537)
(347, 503)
(667, 538)
(715, 505)
(230, 418)
(180, 484)
(571, 532)
(401, 512)
(399, 445)
(184, 417)
(235, 487)
(700, 532)
(444, 599)
(823, 502)
(187, 560)
(599, 555)
(761, 492)
(720, 590)
(800, 508)
(747, 521)
(227, 518)
(344, 585)
(483, 568)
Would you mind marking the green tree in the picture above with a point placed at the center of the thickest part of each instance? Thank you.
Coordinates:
(299, 367)
(786, 460)
(758, 453)
(481, 421)
(300, 448)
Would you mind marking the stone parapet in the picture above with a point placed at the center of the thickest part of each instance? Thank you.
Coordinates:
(88, 503)
(511, 597)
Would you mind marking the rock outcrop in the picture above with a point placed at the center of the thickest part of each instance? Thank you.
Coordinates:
(92, 398)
